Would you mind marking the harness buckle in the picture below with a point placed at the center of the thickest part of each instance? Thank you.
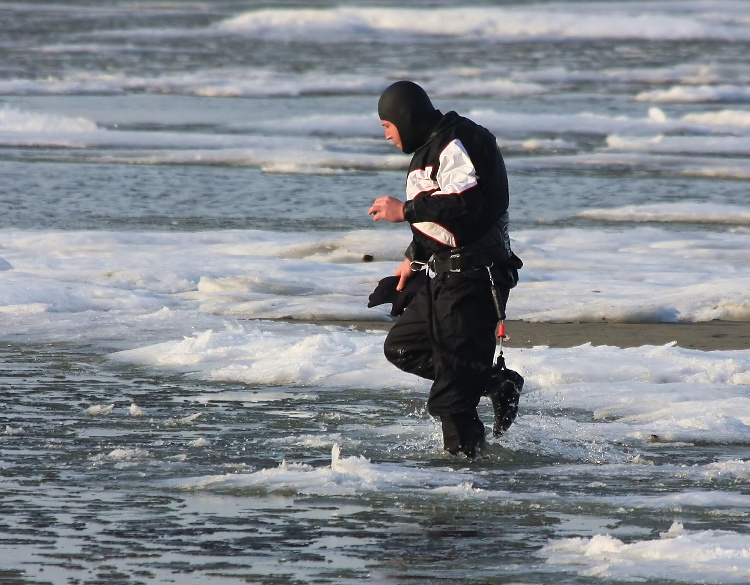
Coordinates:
(454, 263)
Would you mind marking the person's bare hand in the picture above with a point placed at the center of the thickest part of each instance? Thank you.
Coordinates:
(404, 273)
(387, 208)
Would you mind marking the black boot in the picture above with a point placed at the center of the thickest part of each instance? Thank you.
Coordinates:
(504, 390)
(463, 433)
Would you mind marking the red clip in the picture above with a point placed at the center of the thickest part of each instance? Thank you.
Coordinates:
(501, 331)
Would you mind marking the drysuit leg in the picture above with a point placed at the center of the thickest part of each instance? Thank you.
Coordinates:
(463, 334)
(447, 334)
(407, 345)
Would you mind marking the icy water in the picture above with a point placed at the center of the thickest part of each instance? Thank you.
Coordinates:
(184, 193)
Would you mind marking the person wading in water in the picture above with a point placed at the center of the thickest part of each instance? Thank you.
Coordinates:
(457, 207)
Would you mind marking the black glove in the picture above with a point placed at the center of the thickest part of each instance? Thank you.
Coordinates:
(386, 292)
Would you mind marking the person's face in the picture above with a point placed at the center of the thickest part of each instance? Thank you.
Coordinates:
(391, 133)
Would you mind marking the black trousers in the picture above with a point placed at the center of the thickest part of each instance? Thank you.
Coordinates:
(447, 335)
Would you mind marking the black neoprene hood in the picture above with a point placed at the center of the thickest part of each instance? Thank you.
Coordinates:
(406, 105)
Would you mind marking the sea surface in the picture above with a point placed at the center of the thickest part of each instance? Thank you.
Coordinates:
(183, 233)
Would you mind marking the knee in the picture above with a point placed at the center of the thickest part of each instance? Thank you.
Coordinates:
(393, 353)
(410, 360)
(393, 347)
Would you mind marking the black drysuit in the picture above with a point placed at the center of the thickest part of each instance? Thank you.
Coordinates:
(457, 201)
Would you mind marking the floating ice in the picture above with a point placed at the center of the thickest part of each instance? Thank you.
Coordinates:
(728, 118)
(345, 475)
(100, 409)
(136, 410)
(126, 454)
(19, 121)
(686, 555)
(186, 420)
(682, 212)
(705, 93)
(200, 442)
(565, 21)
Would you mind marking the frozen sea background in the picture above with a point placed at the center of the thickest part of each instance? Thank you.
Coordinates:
(184, 193)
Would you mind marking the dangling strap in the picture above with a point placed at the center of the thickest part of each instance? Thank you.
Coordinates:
(500, 316)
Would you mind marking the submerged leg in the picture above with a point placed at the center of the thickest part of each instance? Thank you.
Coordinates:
(464, 342)
(462, 433)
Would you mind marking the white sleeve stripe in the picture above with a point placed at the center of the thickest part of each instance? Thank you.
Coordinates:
(456, 172)
(436, 232)
(419, 181)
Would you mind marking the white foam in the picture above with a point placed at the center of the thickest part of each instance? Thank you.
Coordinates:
(271, 354)
(719, 474)
(100, 409)
(257, 396)
(158, 283)
(136, 410)
(704, 93)
(184, 421)
(337, 143)
(552, 22)
(654, 120)
(642, 274)
(250, 82)
(654, 163)
(15, 120)
(681, 212)
(123, 454)
(729, 118)
(734, 145)
(344, 476)
(200, 442)
(692, 83)
(665, 394)
(687, 555)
